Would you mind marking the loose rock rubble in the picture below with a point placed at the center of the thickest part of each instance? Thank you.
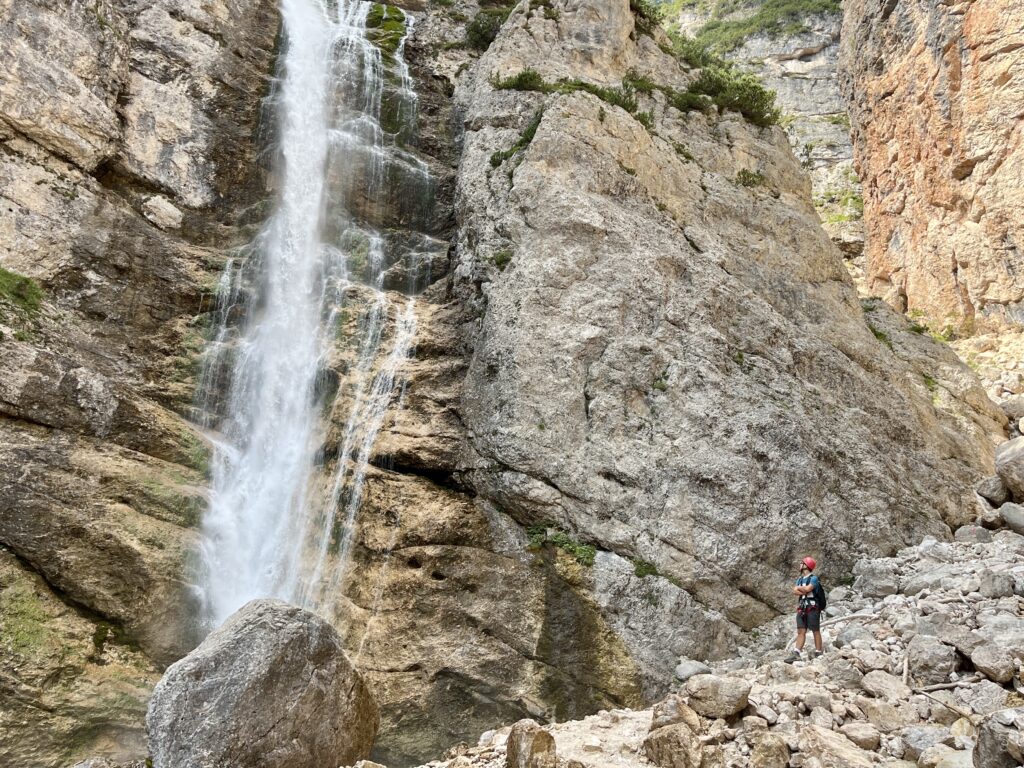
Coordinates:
(922, 667)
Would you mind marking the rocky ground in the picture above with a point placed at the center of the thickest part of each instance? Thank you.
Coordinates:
(922, 666)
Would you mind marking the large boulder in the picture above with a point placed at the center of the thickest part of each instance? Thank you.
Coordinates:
(272, 688)
(931, 660)
(714, 696)
(1010, 466)
(674, 746)
(1001, 740)
(530, 746)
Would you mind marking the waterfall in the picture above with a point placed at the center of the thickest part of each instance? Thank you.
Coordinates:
(287, 470)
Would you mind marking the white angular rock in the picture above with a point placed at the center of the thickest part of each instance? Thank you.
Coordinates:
(162, 212)
(717, 696)
(885, 686)
(687, 668)
(931, 660)
(864, 735)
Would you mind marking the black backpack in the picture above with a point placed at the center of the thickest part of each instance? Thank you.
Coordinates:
(820, 598)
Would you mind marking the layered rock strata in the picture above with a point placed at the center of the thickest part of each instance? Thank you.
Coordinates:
(933, 92)
(638, 362)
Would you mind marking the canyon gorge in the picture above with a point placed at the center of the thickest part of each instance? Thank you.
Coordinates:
(524, 344)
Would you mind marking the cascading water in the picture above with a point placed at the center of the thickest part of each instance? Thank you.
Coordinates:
(281, 517)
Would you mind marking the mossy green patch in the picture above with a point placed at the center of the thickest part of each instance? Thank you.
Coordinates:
(385, 27)
(542, 535)
(23, 293)
(521, 143)
(24, 620)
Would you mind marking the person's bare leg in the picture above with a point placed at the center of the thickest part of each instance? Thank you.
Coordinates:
(801, 636)
(817, 642)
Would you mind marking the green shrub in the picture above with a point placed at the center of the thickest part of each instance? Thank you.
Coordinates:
(583, 553)
(643, 569)
(647, 15)
(881, 335)
(527, 80)
(742, 92)
(772, 17)
(23, 292)
(485, 27)
(749, 178)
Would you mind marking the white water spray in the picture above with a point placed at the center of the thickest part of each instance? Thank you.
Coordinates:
(272, 529)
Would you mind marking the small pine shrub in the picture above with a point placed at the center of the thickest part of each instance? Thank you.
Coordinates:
(749, 178)
(485, 27)
(647, 15)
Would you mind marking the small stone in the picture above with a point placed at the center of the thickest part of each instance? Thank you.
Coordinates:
(974, 534)
(671, 710)
(933, 755)
(162, 212)
(992, 489)
(995, 585)
(687, 668)
(864, 735)
(917, 739)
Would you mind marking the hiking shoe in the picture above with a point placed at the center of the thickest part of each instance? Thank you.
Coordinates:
(794, 656)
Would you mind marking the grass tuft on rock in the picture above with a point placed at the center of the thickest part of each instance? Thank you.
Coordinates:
(521, 143)
(22, 292)
(540, 536)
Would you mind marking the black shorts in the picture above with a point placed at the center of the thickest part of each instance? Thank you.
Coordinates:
(809, 619)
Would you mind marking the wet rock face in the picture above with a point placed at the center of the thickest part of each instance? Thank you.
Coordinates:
(129, 137)
(933, 91)
(271, 687)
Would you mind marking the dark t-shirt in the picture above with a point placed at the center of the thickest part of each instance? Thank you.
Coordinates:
(807, 601)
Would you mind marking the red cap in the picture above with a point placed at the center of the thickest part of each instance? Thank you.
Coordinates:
(810, 562)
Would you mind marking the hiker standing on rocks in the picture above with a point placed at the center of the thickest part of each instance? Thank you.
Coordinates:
(808, 611)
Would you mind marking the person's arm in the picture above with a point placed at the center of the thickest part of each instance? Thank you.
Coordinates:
(806, 589)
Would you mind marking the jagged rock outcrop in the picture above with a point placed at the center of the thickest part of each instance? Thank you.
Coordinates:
(933, 92)
(800, 63)
(271, 687)
(128, 162)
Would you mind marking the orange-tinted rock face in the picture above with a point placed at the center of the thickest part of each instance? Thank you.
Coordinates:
(936, 98)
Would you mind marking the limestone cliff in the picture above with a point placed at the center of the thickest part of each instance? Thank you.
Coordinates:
(934, 92)
(797, 57)
(643, 380)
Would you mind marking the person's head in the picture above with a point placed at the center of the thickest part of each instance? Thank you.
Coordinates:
(807, 565)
